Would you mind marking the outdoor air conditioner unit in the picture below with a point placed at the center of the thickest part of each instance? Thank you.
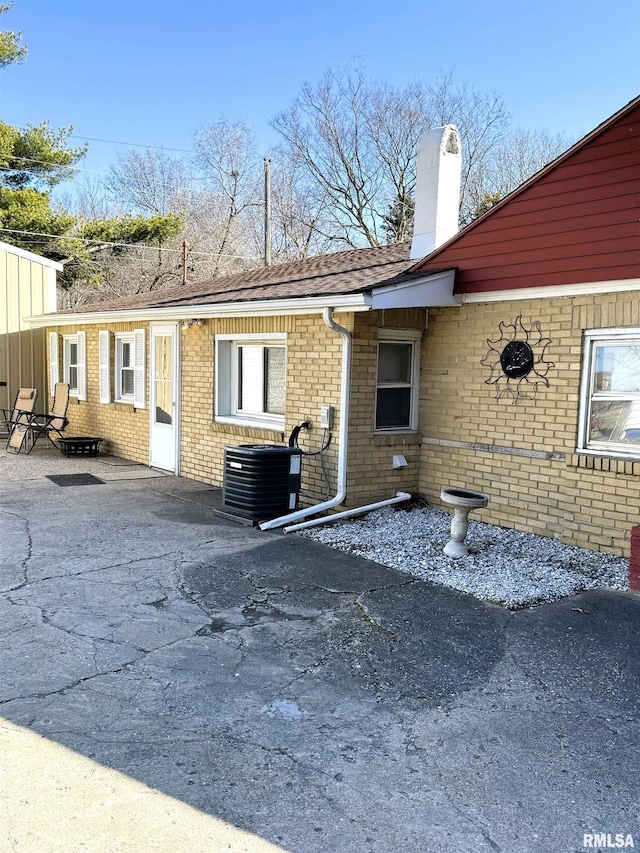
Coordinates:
(261, 481)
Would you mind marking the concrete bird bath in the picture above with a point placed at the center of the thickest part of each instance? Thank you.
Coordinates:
(462, 501)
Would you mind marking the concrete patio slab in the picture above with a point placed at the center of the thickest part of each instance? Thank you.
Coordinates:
(173, 681)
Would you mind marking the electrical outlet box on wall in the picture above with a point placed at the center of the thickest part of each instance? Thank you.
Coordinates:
(326, 417)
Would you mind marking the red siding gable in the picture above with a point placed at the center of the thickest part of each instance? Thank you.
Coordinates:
(577, 221)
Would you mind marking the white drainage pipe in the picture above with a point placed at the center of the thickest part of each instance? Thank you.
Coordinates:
(400, 496)
(343, 433)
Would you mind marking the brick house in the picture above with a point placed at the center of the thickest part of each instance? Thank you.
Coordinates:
(501, 361)
(170, 379)
(562, 252)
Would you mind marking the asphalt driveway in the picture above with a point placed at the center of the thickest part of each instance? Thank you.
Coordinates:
(170, 680)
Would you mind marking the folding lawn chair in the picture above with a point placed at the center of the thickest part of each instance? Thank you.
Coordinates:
(25, 402)
(28, 428)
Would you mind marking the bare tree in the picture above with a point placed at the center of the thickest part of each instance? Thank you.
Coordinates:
(153, 183)
(124, 272)
(148, 181)
(396, 120)
(519, 155)
(356, 139)
(89, 199)
(216, 245)
(523, 153)
(483, 122)
(226, 156)
(325, 137)
(343, 176)
(300, 225)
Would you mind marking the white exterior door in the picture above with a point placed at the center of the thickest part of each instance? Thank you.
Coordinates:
(164, 408)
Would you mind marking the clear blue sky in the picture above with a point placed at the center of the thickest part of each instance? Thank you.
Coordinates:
(152, 71)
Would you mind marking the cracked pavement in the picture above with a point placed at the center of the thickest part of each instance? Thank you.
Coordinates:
(313, 698)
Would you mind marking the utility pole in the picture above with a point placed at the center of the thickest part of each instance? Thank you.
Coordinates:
(267, 212)
(184, 261)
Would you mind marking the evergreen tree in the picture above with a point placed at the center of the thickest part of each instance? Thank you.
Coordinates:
(34, 160)
(10, 48)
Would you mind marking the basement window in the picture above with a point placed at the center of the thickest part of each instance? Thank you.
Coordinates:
(610, 393)
(250, 377)
(397, 380)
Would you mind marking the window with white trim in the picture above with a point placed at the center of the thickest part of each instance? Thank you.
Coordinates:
(70, 369)
(129, 368)
(397, 380)
(250, 377)
(73, 364)
(610, 394)
(124, 368)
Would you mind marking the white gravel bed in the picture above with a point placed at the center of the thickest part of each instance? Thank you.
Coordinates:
(505, 567)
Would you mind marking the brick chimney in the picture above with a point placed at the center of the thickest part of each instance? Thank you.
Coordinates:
(439, 172)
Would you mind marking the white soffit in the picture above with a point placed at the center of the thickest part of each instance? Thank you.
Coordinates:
(433, 291)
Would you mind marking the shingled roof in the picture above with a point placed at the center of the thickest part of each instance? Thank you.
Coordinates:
(341, 273)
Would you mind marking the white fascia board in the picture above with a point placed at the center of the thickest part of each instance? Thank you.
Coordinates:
(30, 256)
(258, 308)
(552, 291)
(433, 291)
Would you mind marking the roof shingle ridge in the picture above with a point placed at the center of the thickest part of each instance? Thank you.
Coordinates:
(268, 276)
(202, 288)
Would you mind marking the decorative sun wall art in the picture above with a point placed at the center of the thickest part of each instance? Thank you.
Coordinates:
(516, 360)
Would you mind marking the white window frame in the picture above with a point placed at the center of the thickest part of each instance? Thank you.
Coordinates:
(413, 338)
(80, 388)
(592, 339)
(226, 380)
(136, 340)
(67, 342)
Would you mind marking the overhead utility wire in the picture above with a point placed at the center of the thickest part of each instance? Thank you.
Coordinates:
(139, 145)
(130, 144)
(79, 169)
(5, 168)
(126, 245)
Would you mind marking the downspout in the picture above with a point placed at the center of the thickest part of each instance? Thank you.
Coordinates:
(343, 433)
(350, 513)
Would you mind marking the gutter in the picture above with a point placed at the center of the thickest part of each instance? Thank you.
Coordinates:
(257, 308)
(343, 434)
(434, 289)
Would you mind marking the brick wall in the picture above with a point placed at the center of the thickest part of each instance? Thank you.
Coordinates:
(371, 476)
(125, 429)
(313, 380)
(524, 456)
(314, 369)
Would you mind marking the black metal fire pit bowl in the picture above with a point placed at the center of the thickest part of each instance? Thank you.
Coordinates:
(81, 445)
